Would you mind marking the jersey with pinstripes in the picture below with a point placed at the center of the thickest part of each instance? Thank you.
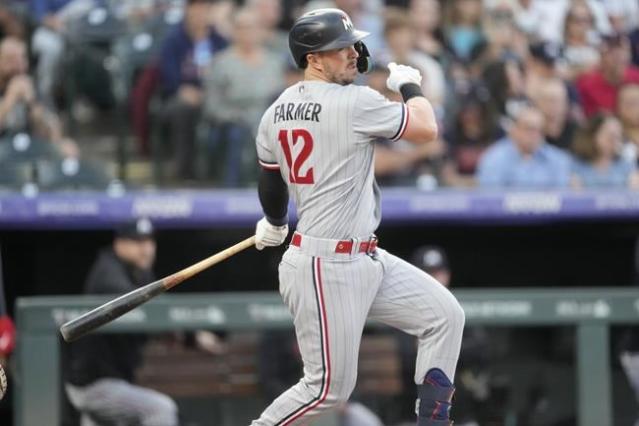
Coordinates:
(319, 136)
(322, 132)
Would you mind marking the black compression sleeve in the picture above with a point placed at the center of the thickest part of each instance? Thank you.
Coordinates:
(410, 90)
(273, 195)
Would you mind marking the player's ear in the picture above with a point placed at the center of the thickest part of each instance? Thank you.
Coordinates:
(313, 61)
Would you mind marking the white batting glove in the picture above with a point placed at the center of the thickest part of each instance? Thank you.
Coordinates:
(267, 235)
(400, 75)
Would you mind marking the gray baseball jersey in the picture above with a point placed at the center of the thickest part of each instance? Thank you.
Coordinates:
(319, 135)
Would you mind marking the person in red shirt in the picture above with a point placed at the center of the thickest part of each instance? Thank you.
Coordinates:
(598, 89)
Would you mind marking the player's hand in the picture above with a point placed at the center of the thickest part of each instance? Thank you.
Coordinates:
(400, 75)
(267, 235)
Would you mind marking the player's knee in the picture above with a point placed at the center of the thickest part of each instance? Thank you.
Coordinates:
(340, 389)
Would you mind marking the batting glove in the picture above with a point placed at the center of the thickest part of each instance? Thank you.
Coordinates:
(400, 75)
(267, 235)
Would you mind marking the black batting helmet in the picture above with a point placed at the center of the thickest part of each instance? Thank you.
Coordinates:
(326, 29)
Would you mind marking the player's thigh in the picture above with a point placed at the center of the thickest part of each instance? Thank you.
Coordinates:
(114, 399)
(329, 299)
(411, 300)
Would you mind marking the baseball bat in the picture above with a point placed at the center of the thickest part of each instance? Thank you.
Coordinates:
(80, 326)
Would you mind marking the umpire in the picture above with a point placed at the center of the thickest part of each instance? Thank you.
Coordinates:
(101, 366)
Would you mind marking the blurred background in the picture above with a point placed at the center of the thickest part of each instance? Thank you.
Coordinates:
(127, 152)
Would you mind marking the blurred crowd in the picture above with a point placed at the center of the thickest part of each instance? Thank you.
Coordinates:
(528, 93)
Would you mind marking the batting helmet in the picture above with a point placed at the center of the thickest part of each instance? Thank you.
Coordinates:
(326, 29)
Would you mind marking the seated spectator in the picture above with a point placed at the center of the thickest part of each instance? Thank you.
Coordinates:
(10, 24)
(52, 17)
(551, 98)
(186, 52)
(623, 15)
(524, 159)
(634, 47)
(269, 13)
(598, 89)
(580, 40)
(20, 110)
(239, 84)
(425, 16)
(553, 13)
(506, 84)
(400, 41)
(462, 26)
(628, 113)
(503, 38)
(598, 164)
(471, 131)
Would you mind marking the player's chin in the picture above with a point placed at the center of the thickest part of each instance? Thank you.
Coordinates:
(348, 77)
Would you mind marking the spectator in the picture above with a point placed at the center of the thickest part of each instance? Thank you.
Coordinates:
(580, 40)
(20, 111)
(598, 164)
(10, 24)
(503, 39)
(523, 159)
(628, 113)
(634, 47)
(506, 84)
(598, 88)
(425, 16)
(400, 40)
(239, 84)
(623, 15)
(185, 54)
(462, 27)
(101, 366)
(471, 131)
(553, 15)
(52, 17)
(269, 13)
(551, 97)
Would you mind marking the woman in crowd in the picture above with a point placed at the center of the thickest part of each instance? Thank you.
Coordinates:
(598, 163)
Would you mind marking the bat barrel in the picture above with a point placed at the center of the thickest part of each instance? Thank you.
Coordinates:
(107, 312)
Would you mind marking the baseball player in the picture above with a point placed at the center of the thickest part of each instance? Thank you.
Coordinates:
(315, 142)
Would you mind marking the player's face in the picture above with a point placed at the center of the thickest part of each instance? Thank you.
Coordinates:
(340, 65)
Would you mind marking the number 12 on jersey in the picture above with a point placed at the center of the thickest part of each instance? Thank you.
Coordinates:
(295, 164)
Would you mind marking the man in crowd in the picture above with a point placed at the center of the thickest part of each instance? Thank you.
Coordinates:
(101, 367)
(598, 89)
(524, 158)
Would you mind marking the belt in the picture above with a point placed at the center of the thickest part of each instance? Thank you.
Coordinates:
(343, 246)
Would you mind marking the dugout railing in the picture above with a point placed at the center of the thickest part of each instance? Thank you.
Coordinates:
(591, 311)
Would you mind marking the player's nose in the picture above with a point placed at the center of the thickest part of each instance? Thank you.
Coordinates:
(352, 52)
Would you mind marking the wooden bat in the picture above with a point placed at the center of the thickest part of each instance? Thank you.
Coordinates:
(109, 311)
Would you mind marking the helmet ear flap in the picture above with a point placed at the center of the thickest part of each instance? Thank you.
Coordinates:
(364, 63)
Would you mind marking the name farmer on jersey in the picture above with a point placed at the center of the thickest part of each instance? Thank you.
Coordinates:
(293, 111)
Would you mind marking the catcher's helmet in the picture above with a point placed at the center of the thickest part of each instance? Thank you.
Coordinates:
(326, 29)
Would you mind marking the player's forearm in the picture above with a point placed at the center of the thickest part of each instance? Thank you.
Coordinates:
(422, 114)
(273, 195)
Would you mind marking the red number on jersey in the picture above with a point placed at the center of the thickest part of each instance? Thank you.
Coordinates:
(295, 164)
